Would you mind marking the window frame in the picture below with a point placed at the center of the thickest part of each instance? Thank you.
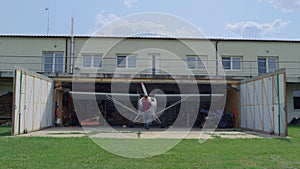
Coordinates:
(231, 63)
(100, 65)
(55, 57)
(296, 106)
(84, 65)
(93, 57)
(195, 60)
(267, 64)
(296, 95)
(128, 59)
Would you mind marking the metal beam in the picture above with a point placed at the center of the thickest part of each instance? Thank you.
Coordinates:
(146, 80)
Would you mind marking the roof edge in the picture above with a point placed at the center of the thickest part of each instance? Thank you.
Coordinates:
(148, 37)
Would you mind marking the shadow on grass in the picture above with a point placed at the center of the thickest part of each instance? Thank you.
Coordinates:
(283, 139)
(294, 125)
(5, 131)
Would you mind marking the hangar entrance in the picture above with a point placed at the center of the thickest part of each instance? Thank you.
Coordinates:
(6, 97)
(107, 113)
(263, 104)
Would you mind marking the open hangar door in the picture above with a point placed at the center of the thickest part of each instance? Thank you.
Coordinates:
(33, 102)
(6, 97)
(107, 111)
(263, 103)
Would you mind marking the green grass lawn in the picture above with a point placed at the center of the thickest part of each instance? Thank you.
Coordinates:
(24, 152)
(5, 131)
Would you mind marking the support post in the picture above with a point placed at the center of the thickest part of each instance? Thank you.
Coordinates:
(20, 99)
(278, 99)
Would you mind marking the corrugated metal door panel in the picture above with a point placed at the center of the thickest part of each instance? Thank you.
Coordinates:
(33, 100)
(263, 102)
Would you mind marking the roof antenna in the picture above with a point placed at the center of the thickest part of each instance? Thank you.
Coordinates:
(72, 45)
(48, 13)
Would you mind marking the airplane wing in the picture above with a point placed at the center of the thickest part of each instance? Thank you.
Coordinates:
(110, 96)
(103, 94)
(177, 98)
(121, 104)
(138, 95)
(188, 95)
(87, 95)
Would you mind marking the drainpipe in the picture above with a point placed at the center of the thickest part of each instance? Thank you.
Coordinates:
(72, 47)
(66, 58)
(153, 65)
(217, 58)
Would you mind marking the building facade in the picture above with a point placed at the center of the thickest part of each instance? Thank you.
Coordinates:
(157, 60)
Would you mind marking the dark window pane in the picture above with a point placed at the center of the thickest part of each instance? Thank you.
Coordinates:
(236, 63)
(262, 67)
(226, 63)
(121, 61)
(296, 102)
(97, 61)
(191, 62)
(48, 62)
(59, 61)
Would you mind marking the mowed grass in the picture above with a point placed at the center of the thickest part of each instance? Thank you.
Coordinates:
(5, 131)
(34, 152)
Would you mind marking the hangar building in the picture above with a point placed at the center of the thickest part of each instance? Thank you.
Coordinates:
(256, 77)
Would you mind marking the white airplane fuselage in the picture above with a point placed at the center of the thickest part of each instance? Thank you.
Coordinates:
(153, 104)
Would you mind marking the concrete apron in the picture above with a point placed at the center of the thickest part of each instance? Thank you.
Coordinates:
(152, 133)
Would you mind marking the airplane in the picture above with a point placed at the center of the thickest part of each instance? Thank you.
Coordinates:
(155, 114)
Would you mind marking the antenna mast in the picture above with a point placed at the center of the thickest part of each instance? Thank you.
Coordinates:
(48, 13)
(72, 45)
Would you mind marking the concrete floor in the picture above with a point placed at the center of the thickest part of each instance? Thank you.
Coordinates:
(124, 132)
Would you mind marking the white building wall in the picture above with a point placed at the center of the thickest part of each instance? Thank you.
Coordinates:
(27, 52)
(172, 54)
(287, 53)
(291, 112)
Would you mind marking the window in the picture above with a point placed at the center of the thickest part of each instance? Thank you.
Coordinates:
(195, 62)
(97, 61)
(231, 63)
(86, 61)
(121, 61)
(89, 60)
(53, 61)
(266, 64)
(296, 99)
(236, 63)
(131, 61)
(126, 61)
(226, 63)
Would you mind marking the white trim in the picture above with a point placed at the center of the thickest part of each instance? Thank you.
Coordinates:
(53, 60)
(127, 56)
(202, 58)
(231, 63)
(92, 55)
(267, 63)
